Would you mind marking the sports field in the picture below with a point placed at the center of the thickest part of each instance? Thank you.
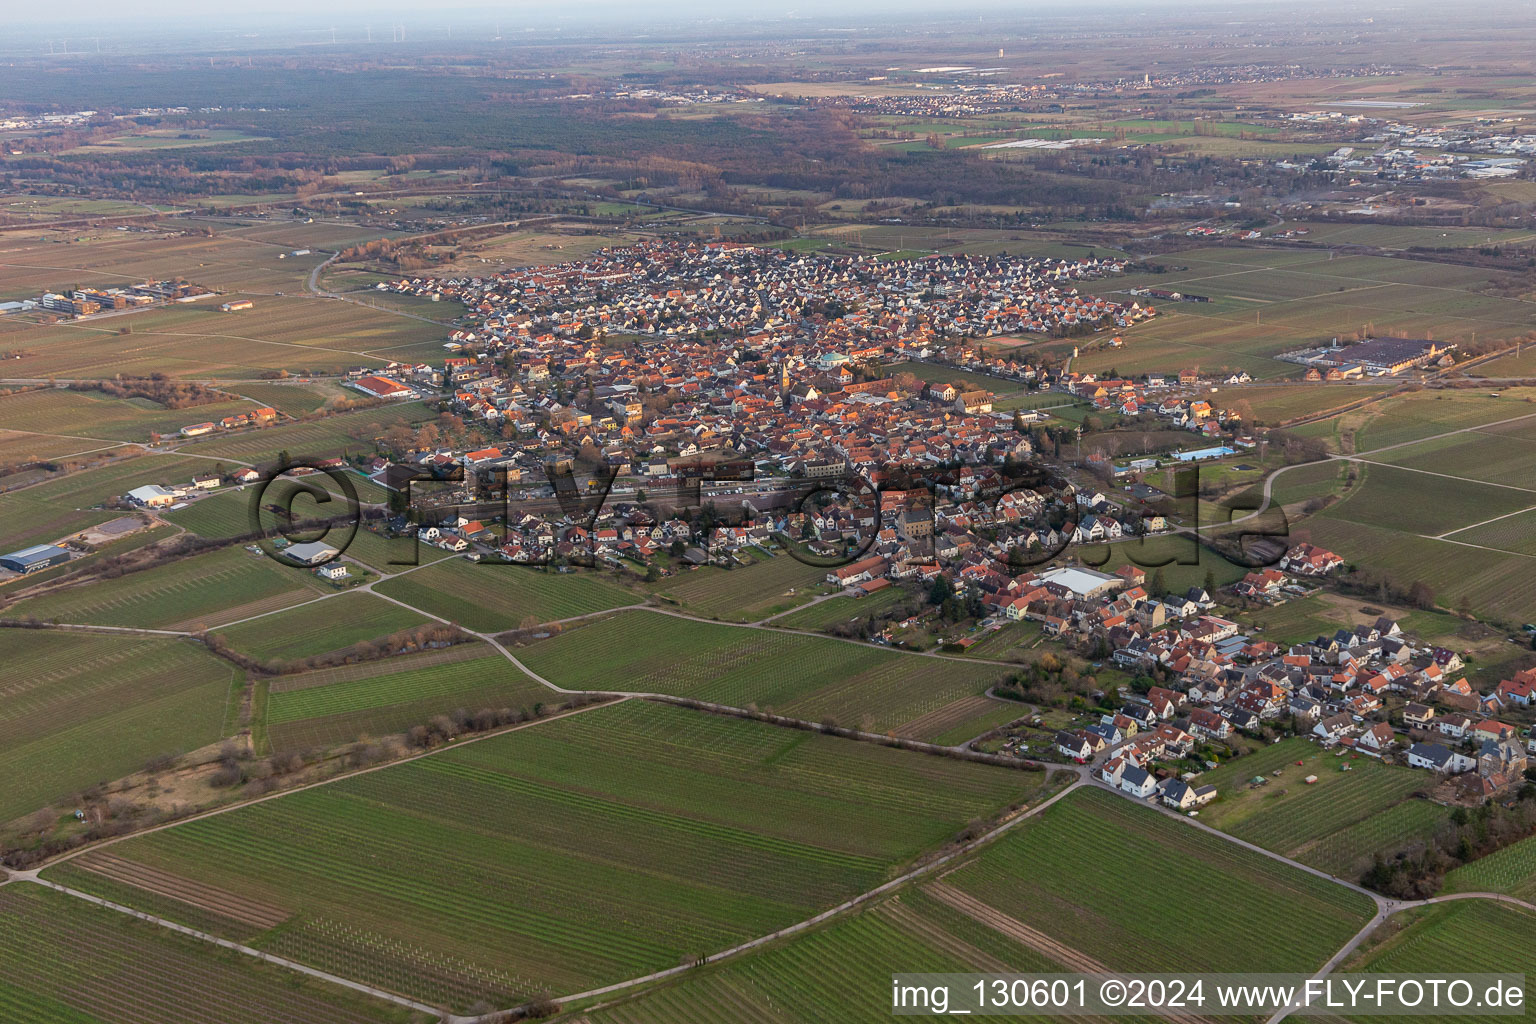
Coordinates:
(492, 598)
(376, 698)
(189, 594)
(1213, 889)
(1337, 823)
(806, 677)
(82, 708)
(65, 961)
(588, 849)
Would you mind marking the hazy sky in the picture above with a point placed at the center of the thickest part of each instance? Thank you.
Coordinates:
(542, 11)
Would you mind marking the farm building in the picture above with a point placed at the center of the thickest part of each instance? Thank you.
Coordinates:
(237, 305)
(313, 553)
(382, 387)
(151, 496)
(34, 559)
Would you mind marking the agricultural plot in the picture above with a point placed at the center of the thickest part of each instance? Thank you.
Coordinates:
(392, 554)
(191, 593)
(311, 629)
(223, 262)
(227, 514)
(933, 373)
(292, 399)
(1427, 413)
(745, 594)
(575, 852)
(92, 415)
(1495, 583)
(1214, 889)
(1266, 302)
(1277, 404)
(794, 983)
(492, 598)
(1400, 499)
(339, 705)
(19, 447)
(79, 708)
(1301, 483)
(1185, 560)
(1463, 936)
(1511, 870)
(1492, 457)
(1298, 621)
(806, 677)
(221, 516)
(319, 438)
(65, 961)
(1370, 803)
(840, 610)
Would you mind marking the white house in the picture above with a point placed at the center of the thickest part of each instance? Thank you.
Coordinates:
(1438, 758)
(1137, 781)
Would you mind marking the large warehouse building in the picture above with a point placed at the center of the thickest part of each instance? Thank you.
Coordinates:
(34, 559)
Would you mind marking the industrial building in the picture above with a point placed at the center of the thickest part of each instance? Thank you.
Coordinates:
(34, 559)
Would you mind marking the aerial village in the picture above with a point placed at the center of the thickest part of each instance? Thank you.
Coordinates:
(749, 378)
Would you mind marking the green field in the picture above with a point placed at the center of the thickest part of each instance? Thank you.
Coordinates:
(333, 435)
(1511, 870)
(341, 621)
(227, 514)
(492, 598)
(1265, 302)
(588, 849)
(1214, 890)
(1496, 583)
(65, 504)
(806, 677)
(1498, 458)
(744, 594)
(1338, 823)
(1175, 548)
(1298, 621)
(837, 973)
(1398, 499)
(1463, 936)
(191, 593)
(1427, 413)
(839, 610)
(64, 961)
(338, 705)
(81, 708)
(934, 373)
(92, 414)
